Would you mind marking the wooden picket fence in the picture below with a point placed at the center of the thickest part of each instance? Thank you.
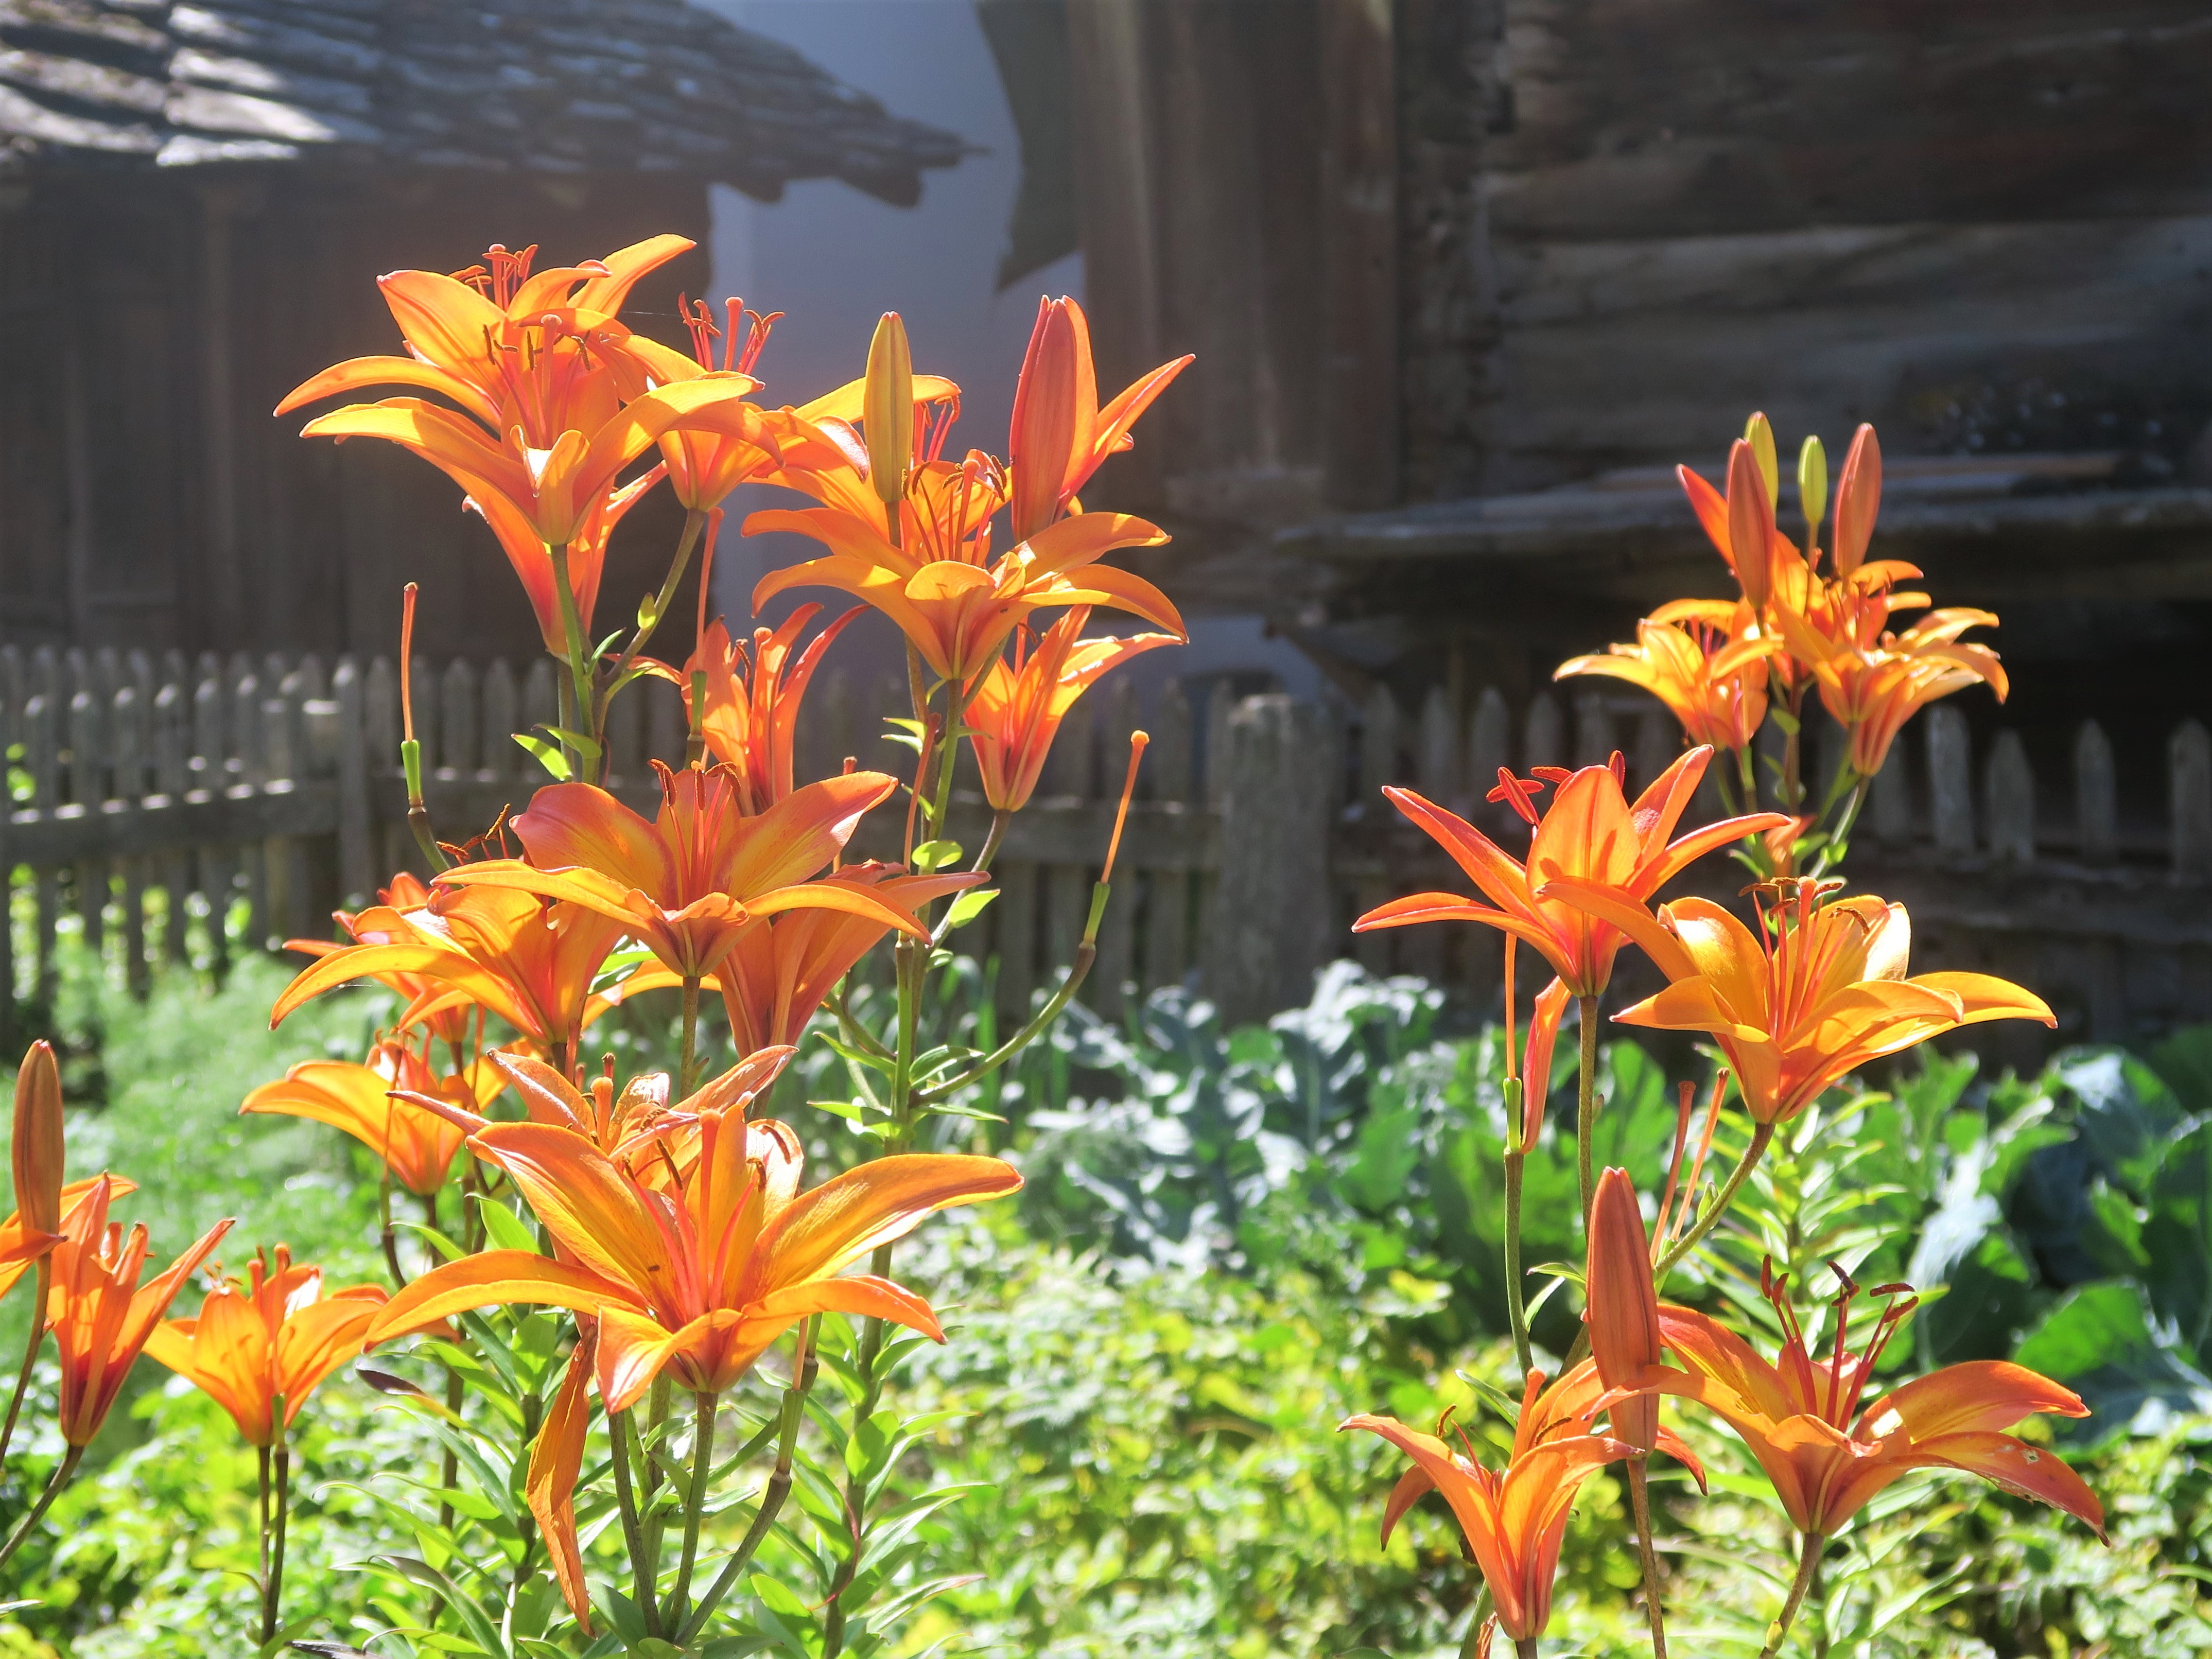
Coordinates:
(156, 799)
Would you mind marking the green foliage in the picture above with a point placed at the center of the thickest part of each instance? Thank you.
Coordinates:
(1230, 1241)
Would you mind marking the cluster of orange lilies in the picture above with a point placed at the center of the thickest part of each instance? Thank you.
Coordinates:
(1723, 666)
(1812, 988)
(671, 1227)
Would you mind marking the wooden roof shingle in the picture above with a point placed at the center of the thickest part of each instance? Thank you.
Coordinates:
(547, 86)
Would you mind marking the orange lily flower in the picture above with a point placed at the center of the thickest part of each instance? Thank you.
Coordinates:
(1873, 681)
(530, 964)
(417, 1146)
(697, 1281)
(21, 1245)
(406, 892)
(100, 1317)
(782, 967)
(958, 611)
(278, 1336)
(586, 552)
(1741, 524)
(554, 489)
(616, 1123)
(1826, 1457)
(541, 353)
(1815, 993)
(1513, 1523)
(685, 884)
(752, 702)
(1016, 710)
(1589, 834)
(1705, 658)
(1060, 436)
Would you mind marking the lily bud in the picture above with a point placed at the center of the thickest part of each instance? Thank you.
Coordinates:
(1813, 480)
(1624, 1310)
(1858, 499)
(887, 408)
(1751, 524)
(1759, 432)
(1056, 411)
(37, 1140)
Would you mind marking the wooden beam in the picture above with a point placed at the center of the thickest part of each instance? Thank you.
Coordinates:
(1360, 250)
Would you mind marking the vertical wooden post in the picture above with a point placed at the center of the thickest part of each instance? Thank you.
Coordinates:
(1951, 781)
(357, 872)
(1594, 741)
(1658, 743)
(42, 753)
(2096, 796)
(218, 871)
(1265, 936)
(1378, 765)
(1438, 760)
(2189, 758)
(250, 737)
(1489, 746)
(626, 750)
(171, 779)
(457, 721)
(129, 725)
(1545, 743)
(665, 725)
(499, 751)
(1167, 916)
(1890, 801)
(2011, 796)
(541, 704)
(87, 789)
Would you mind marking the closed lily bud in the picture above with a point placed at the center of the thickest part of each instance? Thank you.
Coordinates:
(1751, 524)
(1624, 1310)
(1858, 499)
(887, 408)
(1759, 432)
(1055, 412)
(37, 1140)
(1813, 480)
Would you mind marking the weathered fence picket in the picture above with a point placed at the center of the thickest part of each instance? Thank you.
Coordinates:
(168, 805)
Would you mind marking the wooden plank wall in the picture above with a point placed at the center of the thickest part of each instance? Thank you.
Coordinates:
(1981, 226)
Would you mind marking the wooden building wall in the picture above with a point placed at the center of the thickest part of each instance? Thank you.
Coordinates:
(1436, 248)
(1981, 226)
(147, 325)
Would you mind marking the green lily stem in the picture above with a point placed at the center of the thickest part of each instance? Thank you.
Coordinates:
(1808, 1563)
(956, 706)
(580, 670)
(388, 1236)
(688, 1070)
(804, 1362)
(695, 1501)
(653, 1516)
(1517, 1302)
(55, 1482)
(1762, 1135)
(280, 1482)
(999, 819)
(1586, 1104)
(1639, 1495)
(641, 1567)
(695, 521)
(1526, 1647)
(1086, 953)
(40, 1287)
(871, 1394)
